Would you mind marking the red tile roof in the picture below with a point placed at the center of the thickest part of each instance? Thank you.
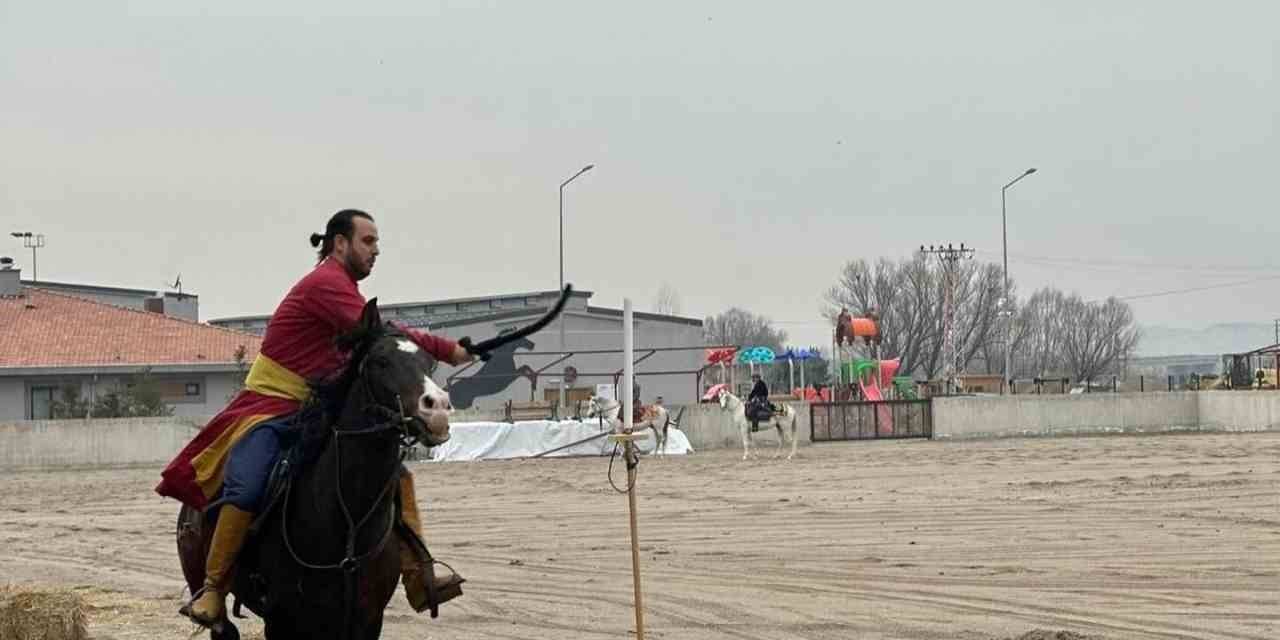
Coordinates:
(41, 328)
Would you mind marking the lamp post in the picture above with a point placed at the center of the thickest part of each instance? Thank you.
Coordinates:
(1008, 304)
(562, 186)
(31, 241)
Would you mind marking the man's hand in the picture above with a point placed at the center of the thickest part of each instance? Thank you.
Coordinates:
(460, 356)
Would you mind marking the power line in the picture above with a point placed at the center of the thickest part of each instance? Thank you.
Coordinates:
(1131, 264)
(1195, 289)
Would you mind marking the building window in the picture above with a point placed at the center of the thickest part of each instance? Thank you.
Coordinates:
(193, 388)
(42, 403)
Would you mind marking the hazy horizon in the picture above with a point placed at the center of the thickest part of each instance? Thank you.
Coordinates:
(743, 153)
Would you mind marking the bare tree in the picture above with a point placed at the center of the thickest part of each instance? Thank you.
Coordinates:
(1096, 337)
(741, 327)
(1061, 335)
(745, 329)
(667, 300)
(908, 296)
(1053, 334)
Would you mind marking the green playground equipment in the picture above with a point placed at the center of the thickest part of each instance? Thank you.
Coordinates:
(905, 387)
(852, 372)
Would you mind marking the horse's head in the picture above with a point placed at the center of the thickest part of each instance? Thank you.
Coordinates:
(724, 396)
(396, 376)
(600, 406)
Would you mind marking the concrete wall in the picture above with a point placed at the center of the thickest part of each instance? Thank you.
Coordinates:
(70, 443)
(1239, 410)
(37, 444)
(1014, 416)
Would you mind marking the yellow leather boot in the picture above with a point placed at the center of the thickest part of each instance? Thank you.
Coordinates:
(211, 606)
(417, 568)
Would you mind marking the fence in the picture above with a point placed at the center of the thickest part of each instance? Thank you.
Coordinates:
(887, 419)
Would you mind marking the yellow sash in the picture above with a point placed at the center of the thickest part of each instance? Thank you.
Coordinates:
(270, 378)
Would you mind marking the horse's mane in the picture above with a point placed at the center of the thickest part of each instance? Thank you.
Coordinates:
(329, 394)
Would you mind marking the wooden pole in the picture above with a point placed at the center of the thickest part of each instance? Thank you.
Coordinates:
(635, 545)
(629, 454)
(628, 439)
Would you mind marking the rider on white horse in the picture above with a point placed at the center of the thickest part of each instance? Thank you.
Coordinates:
(758, 407)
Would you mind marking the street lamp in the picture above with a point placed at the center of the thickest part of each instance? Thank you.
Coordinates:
(562, 186)
(1008, 304)
(31, 241)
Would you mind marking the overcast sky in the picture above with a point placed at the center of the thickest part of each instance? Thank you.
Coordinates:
(743, 150)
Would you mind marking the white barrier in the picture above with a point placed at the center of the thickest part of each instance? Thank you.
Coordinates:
(504, 440)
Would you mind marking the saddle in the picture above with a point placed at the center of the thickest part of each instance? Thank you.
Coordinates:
(760, 410)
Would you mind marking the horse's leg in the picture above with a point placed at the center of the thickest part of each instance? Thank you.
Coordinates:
(782, 438)
(746, 438)
(793, 436)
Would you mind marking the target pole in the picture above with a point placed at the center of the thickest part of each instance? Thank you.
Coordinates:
(628, 440)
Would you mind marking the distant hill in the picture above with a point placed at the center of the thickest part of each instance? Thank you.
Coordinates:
(1235, 337)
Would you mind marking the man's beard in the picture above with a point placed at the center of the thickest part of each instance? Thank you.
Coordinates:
(356, 268)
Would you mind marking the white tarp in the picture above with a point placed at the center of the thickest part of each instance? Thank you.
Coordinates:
(500, 440)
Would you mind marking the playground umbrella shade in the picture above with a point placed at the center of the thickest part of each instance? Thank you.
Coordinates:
(715, 391)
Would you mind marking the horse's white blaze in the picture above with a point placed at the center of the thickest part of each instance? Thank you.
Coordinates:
(433, 397)
(407, 346)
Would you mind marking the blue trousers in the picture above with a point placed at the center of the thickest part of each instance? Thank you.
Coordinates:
(251, 460)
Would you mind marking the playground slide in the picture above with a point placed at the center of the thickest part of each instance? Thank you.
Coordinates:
(872, 394)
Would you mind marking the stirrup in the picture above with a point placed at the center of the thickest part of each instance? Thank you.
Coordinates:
(185, 610)
(451, 589)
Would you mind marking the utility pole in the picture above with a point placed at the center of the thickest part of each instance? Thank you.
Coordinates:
(949, 257)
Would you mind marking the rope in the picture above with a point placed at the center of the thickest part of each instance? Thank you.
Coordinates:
(633, 462)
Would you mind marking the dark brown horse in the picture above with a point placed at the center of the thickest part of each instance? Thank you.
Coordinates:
(324, 563)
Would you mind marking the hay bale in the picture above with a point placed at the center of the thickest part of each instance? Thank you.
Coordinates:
(41, 613)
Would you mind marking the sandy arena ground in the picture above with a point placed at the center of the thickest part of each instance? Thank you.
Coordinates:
(1117, 537)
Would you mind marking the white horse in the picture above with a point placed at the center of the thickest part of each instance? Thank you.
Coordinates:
(731, 403)
(654, 416)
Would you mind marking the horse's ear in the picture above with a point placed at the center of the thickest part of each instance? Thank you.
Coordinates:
(370, 319)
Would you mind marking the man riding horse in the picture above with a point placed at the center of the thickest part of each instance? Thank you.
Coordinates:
(228, 464)
(758, 406)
